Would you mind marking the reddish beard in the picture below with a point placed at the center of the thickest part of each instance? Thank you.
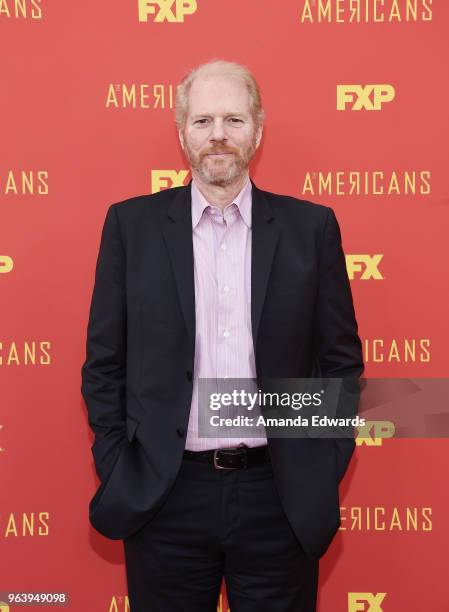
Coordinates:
(237, 162)
(217, 150)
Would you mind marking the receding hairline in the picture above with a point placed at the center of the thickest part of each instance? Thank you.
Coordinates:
(231, 77)
(210, 71)
(218, 68)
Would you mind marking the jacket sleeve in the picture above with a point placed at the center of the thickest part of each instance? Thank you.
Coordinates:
(103, 373)
(337, 345)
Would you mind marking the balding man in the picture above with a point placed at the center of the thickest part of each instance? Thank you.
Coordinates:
(218, 280)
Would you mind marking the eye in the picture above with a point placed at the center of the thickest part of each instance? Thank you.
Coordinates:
(201, 121)
(236, 120)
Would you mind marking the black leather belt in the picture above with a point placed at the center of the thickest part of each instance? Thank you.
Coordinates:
(233, 458)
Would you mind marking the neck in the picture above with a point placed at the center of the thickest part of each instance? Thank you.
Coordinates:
(218, 195)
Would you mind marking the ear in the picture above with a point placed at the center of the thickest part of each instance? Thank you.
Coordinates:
(181, 138)
(259, 135)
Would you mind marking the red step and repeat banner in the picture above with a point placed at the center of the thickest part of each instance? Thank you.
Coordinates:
(356, 99)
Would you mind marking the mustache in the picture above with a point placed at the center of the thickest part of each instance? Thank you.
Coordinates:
(218, 150)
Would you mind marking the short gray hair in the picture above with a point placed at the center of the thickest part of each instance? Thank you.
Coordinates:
(223, 68)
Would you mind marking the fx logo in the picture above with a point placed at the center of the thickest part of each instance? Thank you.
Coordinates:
(373, 432)
(4, 607)
(6, 265)
(172, 11)
(365, 602)
(164, 179)
(368, 97)
(367, 265)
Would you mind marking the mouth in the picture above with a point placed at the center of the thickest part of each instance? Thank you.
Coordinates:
(218, 154)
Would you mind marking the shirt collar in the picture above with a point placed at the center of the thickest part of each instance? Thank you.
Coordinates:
(242, 200)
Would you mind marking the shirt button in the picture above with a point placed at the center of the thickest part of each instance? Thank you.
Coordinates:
(225, 333)
(226, 289)
(223, 246)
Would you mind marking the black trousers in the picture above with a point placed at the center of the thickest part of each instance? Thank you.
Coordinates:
(215, 524)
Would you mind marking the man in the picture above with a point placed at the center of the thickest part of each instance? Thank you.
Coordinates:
(215, 279)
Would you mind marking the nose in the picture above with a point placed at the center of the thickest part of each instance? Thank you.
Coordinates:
(218, 131)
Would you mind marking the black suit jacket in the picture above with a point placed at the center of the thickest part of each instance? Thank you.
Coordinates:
(137, 376)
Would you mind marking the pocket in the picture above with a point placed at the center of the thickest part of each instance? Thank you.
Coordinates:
(105, 451)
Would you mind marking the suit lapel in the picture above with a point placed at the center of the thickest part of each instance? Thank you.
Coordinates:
(178, 238)
(265, 234)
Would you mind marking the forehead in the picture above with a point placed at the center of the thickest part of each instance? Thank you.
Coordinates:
(218, 94)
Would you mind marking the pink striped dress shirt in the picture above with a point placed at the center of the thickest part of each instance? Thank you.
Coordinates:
(222, 271)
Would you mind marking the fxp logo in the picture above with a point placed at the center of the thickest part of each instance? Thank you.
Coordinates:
(172, 11)
(368, 97)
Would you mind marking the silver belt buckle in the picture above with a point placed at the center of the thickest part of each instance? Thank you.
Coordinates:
(224, 467)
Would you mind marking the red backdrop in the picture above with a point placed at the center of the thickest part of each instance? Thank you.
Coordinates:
(87, 120)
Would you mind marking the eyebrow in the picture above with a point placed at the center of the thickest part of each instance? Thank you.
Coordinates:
(202, 115)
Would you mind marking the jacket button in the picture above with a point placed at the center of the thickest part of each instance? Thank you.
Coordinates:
(180, 432)
(189, 375)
